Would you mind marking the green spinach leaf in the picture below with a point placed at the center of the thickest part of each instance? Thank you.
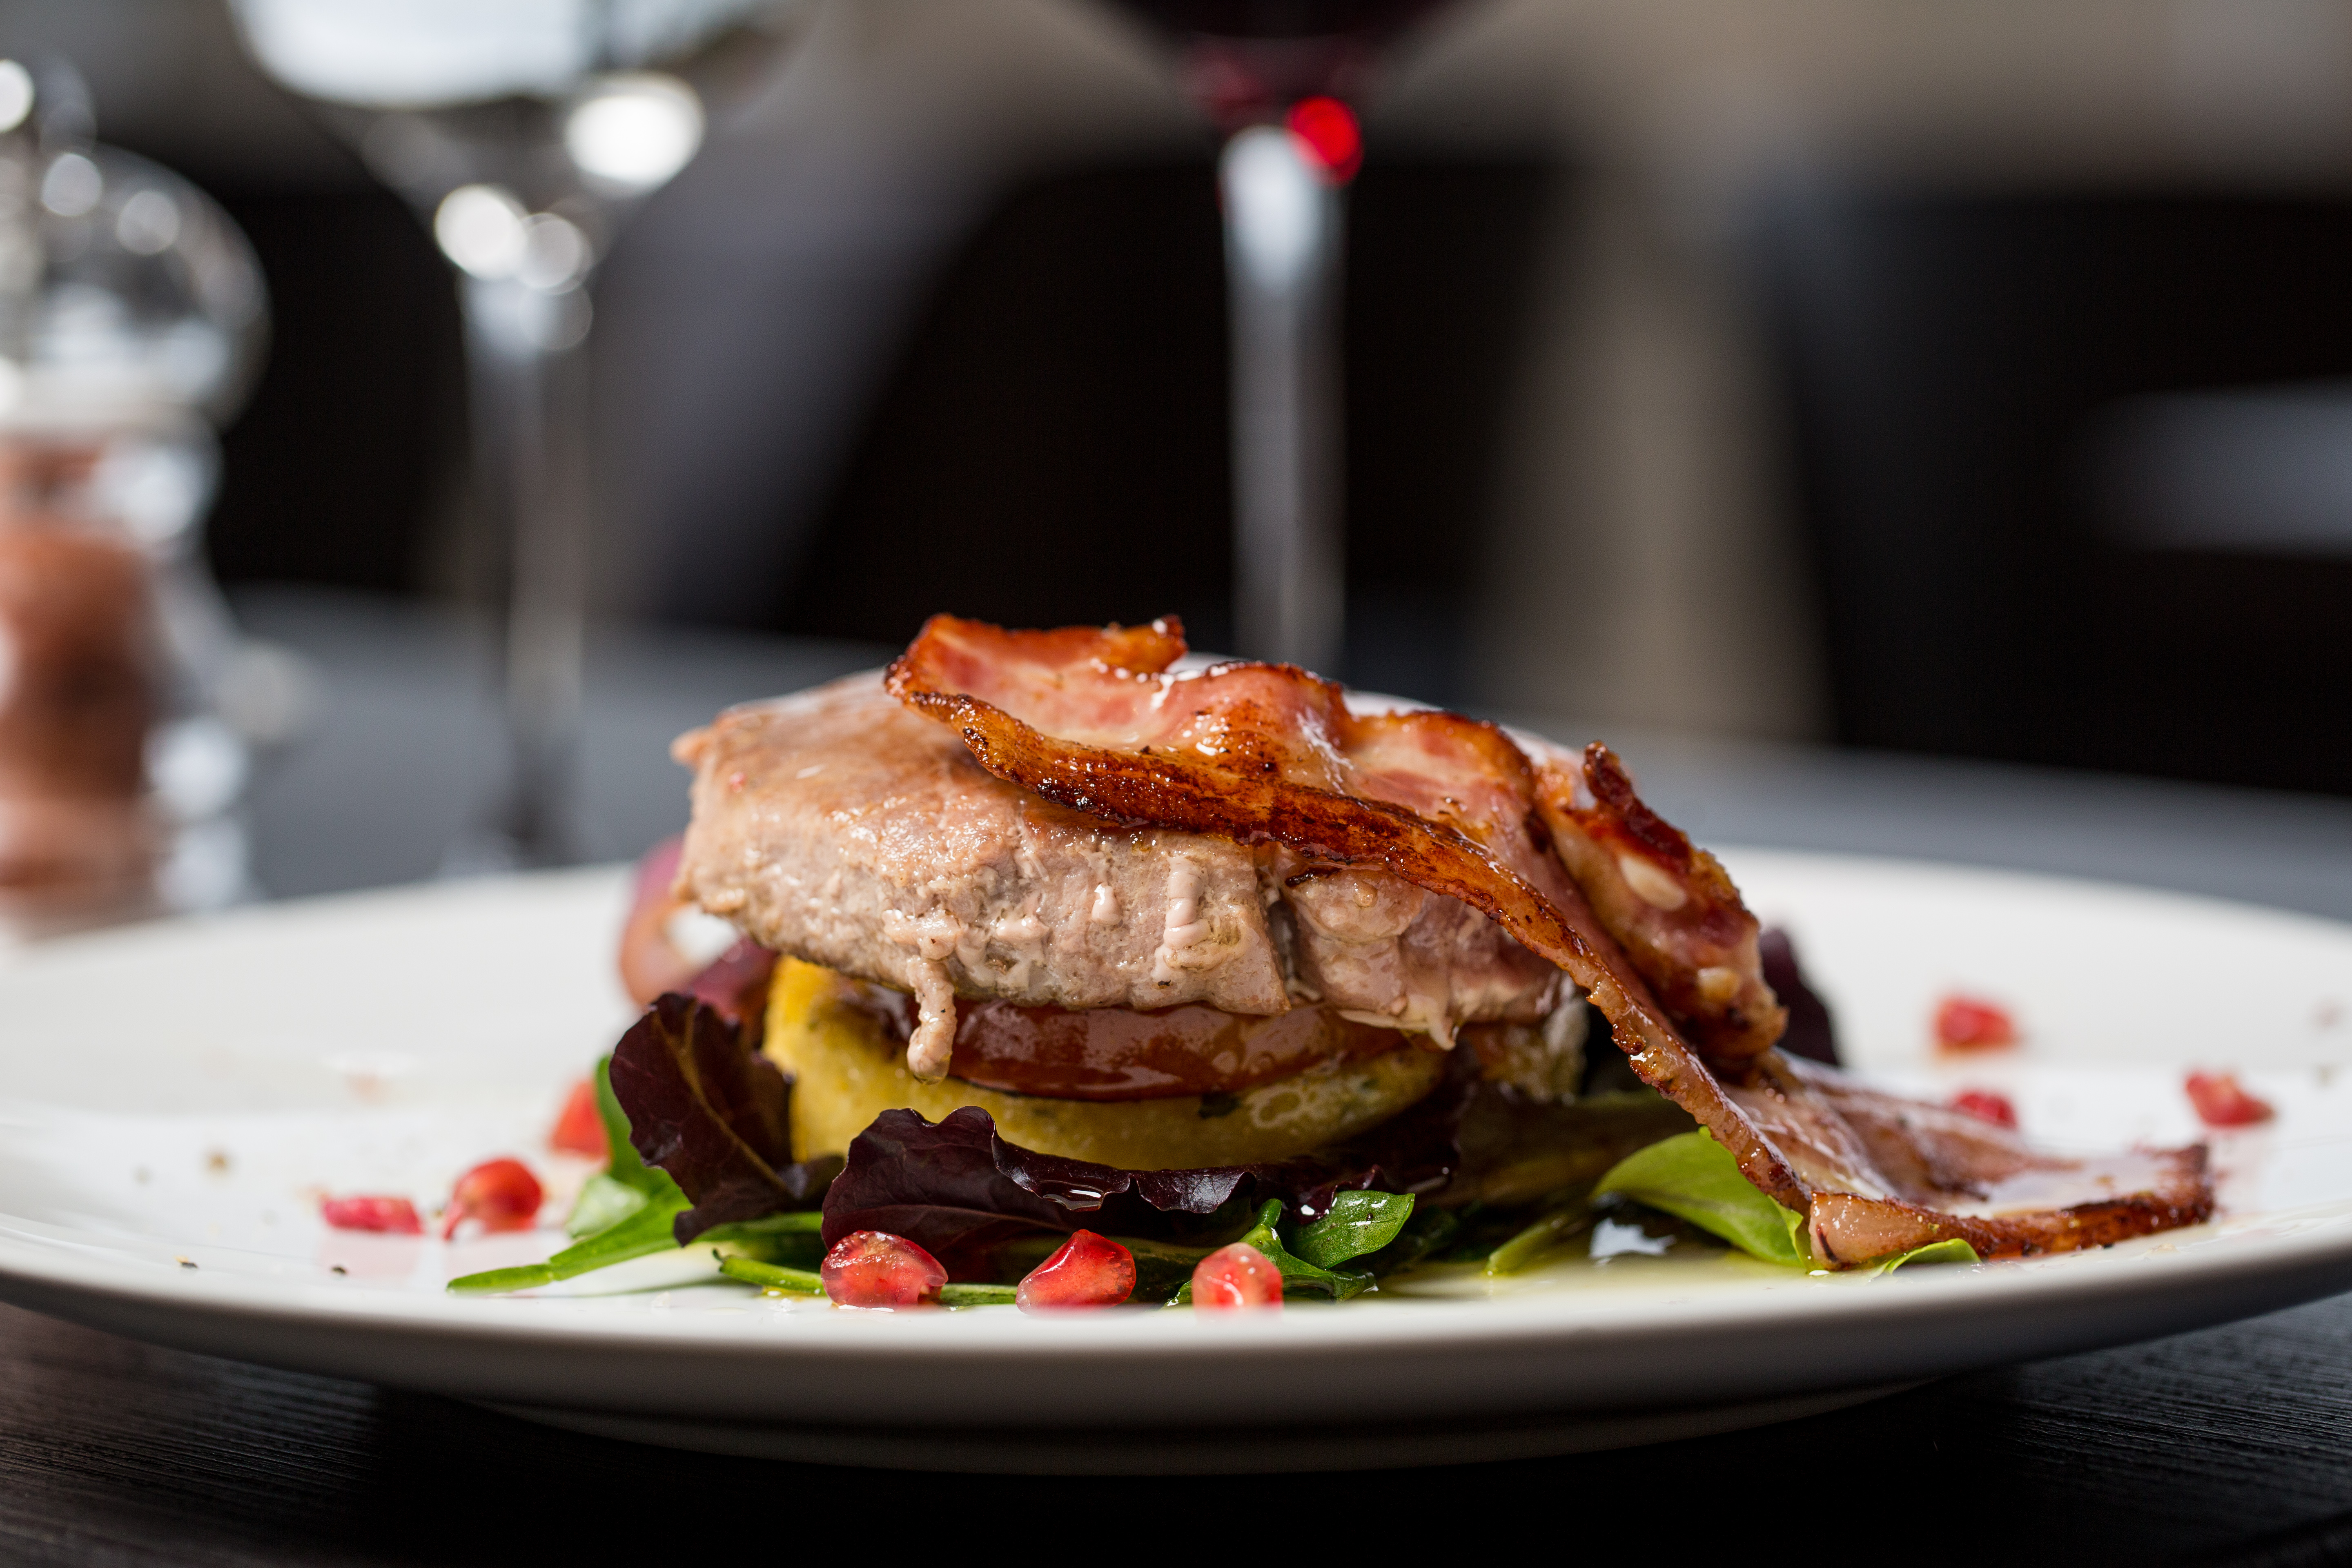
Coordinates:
(623, 1165)
(602, 1204)
(640, 1234)
(1951, 1249)
(1428, 1232)
(1357, 1223)
(1693, 1176)
(1552, 1229)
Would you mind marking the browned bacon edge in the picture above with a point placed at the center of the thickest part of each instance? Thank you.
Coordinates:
(1670, 904)
(1784, 1123)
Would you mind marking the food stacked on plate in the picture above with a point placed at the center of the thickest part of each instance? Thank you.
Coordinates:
(1071, 975)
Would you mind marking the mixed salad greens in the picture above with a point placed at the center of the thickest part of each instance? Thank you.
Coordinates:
(695, 1121)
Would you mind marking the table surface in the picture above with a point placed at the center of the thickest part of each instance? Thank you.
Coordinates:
(2233, 1444)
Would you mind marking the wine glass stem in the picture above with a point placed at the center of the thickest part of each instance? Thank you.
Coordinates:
(530, 402)
(1284, 236)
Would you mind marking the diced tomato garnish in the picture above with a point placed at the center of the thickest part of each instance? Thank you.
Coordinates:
(1968, 1023)
(1986, 1106)
(1089, 1270)
(580, 1129)
(1236, 1279)
(875, 1268)
(501, 1193)
(396, 1216)
(2221, 1102)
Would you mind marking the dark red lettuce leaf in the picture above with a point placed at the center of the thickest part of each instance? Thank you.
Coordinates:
(957, 1189)
(706, 1106)
(1810, 1034)
(736, 983)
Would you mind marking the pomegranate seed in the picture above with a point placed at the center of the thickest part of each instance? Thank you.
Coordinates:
(1089, 1270)
(1986, 1106)
(1965, 1023)
(1236, 1279)
(875, 1268)
(502, 1193)
(397, 1216)
(580, 1129)
(2221, 1102)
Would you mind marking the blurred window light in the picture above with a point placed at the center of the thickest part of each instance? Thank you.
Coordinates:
(148, 223)
(16, 95)
(1274, 193)
(72, 186)
(480, 227)
(634, 130)
(2264, 470)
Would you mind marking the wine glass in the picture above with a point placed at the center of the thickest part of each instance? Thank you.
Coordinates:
(1275, 75)
(527, 133)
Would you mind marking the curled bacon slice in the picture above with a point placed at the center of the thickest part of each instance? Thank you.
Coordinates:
(1270, 754)
(1670, 904)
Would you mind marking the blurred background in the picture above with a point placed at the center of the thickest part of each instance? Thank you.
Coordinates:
(1966, 381)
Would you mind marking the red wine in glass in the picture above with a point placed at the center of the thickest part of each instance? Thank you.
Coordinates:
(1274, 75)
(1245, 60)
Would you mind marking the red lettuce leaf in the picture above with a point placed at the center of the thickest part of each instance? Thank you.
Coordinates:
(736, 983)
(956, 1189)
(706, 1106)
(1811, 1033)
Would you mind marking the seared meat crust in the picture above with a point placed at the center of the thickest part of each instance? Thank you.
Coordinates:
(839, 827)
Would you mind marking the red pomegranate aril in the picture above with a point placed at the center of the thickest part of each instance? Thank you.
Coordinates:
(875, 1268)
(395, 1216)
(1089, 1270)
(501, 1193)
(1968, 1023)
(2221, 1102)
(580, 1129)
(1986, 1106)
(1236, 1279)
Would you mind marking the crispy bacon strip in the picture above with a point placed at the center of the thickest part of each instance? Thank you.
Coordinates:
(1270, 754)
(1942, 1174)
(1669, 904)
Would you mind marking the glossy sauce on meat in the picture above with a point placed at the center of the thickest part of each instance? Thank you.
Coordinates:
(1118, 1053)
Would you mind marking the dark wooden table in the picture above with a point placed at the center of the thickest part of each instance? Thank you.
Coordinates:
(2229, 1446)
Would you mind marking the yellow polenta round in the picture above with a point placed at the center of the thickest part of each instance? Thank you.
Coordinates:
(846, 1070)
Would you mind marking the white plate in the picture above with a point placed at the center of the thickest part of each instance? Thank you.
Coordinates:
(180, 1094)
